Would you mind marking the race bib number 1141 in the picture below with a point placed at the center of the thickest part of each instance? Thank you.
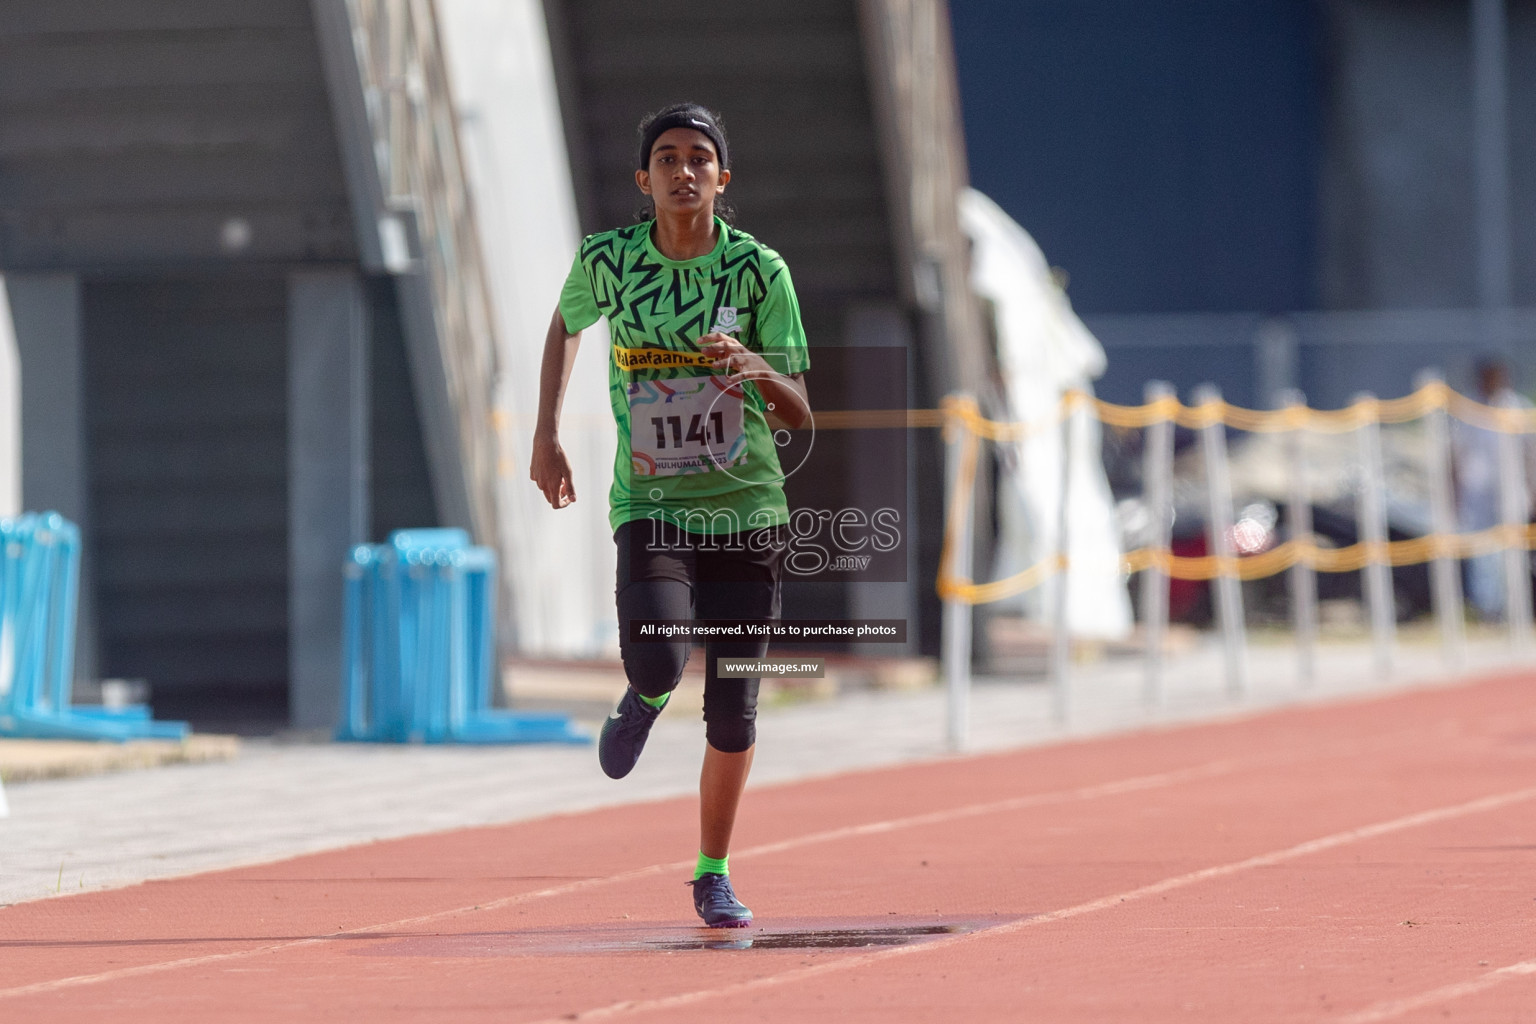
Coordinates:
(684, 425)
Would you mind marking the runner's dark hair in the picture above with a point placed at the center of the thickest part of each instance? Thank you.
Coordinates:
(723, 208)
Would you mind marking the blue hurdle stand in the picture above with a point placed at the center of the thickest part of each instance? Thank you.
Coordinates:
(419, 651)
(39, 604)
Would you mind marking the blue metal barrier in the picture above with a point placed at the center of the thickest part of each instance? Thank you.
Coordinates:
(419, 651)
(39, 599)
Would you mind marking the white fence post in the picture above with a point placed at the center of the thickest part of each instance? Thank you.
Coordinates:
(1061, 646)
(1445, 570)
(1226, 588)
(956, 647)
(1157, 494)
(1371, 519)
(1299, 515)
(1514, 506)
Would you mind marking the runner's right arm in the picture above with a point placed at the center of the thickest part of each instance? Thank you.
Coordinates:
(551, 470)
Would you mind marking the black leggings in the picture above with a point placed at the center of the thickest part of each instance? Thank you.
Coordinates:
(666, 573)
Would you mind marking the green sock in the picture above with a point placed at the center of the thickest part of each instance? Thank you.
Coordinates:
(655, 702)
(712, 865)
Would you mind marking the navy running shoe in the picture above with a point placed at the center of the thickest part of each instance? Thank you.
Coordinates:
(717, 904)
(623, 738)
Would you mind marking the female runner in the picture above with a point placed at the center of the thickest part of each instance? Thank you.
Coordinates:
(706, 369)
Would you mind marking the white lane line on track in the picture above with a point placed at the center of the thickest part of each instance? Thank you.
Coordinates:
(1337, 839)
(1117, 788)
(1397, 1007)
(1134, 784)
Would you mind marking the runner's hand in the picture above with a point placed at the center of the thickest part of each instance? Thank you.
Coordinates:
(739, 362)
(551, 470)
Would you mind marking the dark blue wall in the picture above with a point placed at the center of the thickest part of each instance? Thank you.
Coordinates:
(1164, 152)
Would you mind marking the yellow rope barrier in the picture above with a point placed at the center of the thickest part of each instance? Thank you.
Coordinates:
(1430, 398)
(1353, 558)
(964, 414)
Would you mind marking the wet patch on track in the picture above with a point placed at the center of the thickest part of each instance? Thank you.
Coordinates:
(797, 936)
(829, 938)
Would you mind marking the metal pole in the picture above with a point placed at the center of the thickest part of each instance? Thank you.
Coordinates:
(1515, 509)
(1275, 357)
(1226, 588)
(1061, 648)
(956, 646)
(1371, 517)
(1303, 576)
(1157, 494)
(1444, 571)
(1490, 125)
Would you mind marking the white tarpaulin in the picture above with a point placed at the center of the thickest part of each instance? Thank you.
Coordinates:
(559, 563)
(1043, 350)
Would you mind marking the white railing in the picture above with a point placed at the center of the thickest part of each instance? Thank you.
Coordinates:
(1441, 542)
(429, 223)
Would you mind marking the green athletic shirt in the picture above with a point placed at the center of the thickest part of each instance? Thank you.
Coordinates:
(705, 458)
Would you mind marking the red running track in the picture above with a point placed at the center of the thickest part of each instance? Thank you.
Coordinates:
(1359, 862)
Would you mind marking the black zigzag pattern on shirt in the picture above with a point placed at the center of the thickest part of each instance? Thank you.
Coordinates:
(603, 257)
(648, 303)
(642, 286)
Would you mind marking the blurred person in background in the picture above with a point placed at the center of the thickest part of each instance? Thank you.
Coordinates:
(1476, 471)
(708, 357)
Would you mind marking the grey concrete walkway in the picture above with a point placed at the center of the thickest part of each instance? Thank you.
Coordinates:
(274, 800)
